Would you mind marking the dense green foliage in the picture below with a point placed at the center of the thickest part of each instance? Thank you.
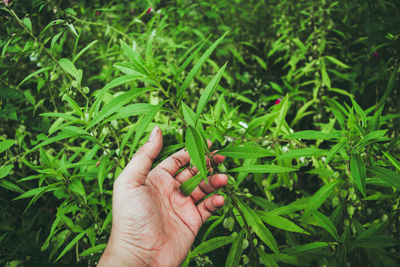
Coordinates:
(301, 96)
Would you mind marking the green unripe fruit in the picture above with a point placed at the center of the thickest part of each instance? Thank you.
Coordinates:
(255, 241)
(85, 90)
(75, 84)
(343, 193)
(335, 201)
(229, 223)
(350, 211)
(245, 244)
(245, 259)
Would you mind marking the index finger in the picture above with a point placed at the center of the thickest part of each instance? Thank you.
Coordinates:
(176, 161)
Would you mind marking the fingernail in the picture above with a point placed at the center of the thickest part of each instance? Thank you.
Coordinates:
(153, 134)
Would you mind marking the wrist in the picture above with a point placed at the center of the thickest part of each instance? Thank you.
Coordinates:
(116, 254)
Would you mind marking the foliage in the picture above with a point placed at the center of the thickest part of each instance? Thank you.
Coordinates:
(299, 95)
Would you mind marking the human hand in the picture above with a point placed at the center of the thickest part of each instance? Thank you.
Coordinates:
(153, 222)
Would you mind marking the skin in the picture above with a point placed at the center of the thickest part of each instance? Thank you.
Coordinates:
(154, 223)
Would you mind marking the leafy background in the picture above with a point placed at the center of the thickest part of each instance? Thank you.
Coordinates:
(301, 96)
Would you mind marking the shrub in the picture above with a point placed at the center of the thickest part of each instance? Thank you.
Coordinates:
(313, 173)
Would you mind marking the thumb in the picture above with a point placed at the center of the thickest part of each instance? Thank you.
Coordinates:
(137, 169)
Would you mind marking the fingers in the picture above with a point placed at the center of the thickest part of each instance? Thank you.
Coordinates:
(215, 182)
(210, 205)
(176, 161)
(137, 169)
(188, 173)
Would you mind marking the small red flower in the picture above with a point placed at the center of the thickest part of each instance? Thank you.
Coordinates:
(131, 11)
(98, 163)
(149, 10)
(278, 101)
(376, 54)
(5, 2)
(98, 13)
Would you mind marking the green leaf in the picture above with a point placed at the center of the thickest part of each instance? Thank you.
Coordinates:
(6, 144)
(71, 244)
(319, 197)
(337, 62)
(10, 186)
(258, 227)
(84, 50)
(333, 151)
(210, 88)
(303, 152)
(188, 115)
(73, 105)
(60, 214)
(280, 222)
(263, 169)
(284, 107)
(389, 89)
(116, 104)
(392, 159)
(122, 80)
(37, 191)
(313, 135)
(188, 186)
(34, 74)
(372, 137)
(245, 152)
(324, 74)
(77, 187)
(28, 23)
(5, 170)
(297, 205)
(358, 172)
(243, 175)
(389, 176)
(210, 245)
(267, 259)
(93, 250)
(69, 67)
(195, 147)
(304, 249)
(144, 123)
(360, 112)
(375, 242)
(134, 57)
(101, 174)
(236, 251)
(325, 223)
(198, 65)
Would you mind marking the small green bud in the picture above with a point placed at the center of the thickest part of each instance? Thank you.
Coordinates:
(110, 175)
(246, 259)
(228, 223)
(350, 211)
(351, 190)
(245, 244)
(75, 84)
(353, 196)
(86, 90)
(53, 76)
(335, 201)
(255, 241)
(343, 193)
(249, 195)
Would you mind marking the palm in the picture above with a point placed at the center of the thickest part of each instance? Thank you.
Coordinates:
(155, 216)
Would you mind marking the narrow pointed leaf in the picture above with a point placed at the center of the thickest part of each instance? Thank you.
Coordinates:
(134, 57)
(71, 244)
(319, 197)
(263, 169)
(144, 123)
(68, 67)
(258, 227)
(266, 258)
(195, 147)
(358, 172)
(389, 176)
(205, 96)
(236, 251)
(198, 65)
(6, 144)
(211, 245)
(304, 249)
(325, 223)
(280, 222)
(188, 186)
(245, 152)
(303, 152)
(313, 135)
